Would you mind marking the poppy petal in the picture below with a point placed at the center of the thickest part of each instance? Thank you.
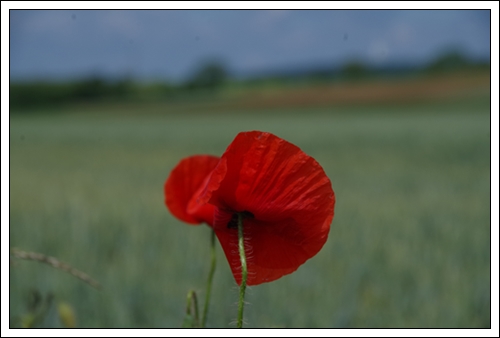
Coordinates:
(272, 249)
(184, 185)
(287, 193)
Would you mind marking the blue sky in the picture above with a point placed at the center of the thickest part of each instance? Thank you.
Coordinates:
(170, 44)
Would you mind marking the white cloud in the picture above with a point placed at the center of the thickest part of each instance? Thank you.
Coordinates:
(378, 50)
(401, 33)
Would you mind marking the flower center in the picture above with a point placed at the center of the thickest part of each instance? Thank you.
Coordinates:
(233, 223)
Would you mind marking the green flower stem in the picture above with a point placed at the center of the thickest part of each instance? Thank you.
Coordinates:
(210, 278)
(244, 272)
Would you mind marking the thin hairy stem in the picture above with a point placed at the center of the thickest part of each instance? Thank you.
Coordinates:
(244, 272)
(210, 278)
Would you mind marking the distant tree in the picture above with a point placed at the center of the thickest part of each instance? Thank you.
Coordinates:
(210, 76)
(123, 88)
(449, 62)
(89, 89)
(33, 94)
(354, 70)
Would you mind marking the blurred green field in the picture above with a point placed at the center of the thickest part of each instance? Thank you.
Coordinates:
(409, 244)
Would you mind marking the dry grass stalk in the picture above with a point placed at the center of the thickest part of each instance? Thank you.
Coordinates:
(54, 262)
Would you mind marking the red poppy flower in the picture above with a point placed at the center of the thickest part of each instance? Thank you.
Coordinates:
(184, 185)
(284, 195)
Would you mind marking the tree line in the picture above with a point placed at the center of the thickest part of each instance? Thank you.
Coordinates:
(210, 78)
